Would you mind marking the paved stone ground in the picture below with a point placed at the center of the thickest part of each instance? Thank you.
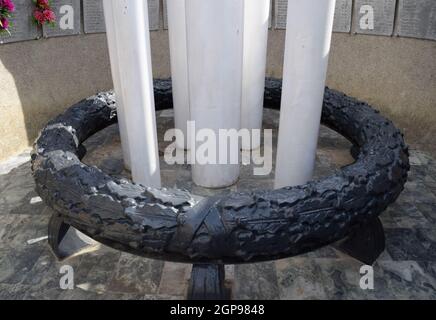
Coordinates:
(406, 270)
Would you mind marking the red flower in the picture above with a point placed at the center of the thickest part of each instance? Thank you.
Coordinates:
(7, 5)
(39, 16)
(49, 15)
(43, 4)
(43, 13)
(4, 24)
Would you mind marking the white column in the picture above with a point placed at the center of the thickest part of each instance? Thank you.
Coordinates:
(134, 62)
(116, 76)
(256, 21)
(179, 66)
(215, 49)
(308, 38)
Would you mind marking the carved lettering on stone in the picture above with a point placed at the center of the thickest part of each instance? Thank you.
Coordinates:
(281, 10)
(417, 19)
(153, 13)
(343, 14)
(93, 16)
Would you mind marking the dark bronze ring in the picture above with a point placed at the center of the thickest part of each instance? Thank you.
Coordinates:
(238, 228)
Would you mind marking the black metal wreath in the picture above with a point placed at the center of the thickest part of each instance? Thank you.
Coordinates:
(238, 228)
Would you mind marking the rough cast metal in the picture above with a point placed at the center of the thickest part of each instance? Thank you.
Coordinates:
(239, 228)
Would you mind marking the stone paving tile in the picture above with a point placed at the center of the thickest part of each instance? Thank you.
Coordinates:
(16, 263)
(96, 270)
(298, 279)
(80, 295)
(12, 292)
(428, 210)
(136, 275)
(407, 215)
(174, 279)
(256, 282)
(30, 203)
(302, 278)
(411, 244)
(24, 228)
(403, 280)
(326, 252)
(19, 188)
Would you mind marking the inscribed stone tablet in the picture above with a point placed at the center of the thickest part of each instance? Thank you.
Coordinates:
(67, 19)
(281, 13)
(374, 17)
(23, 27)
(153, 12)
(417, 19)
(165, 15)
(93, 16)
(343, 13)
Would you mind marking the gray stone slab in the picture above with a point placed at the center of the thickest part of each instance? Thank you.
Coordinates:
(343, 15)
(280, 16)
(165, 14)
(417, 19)
(23, 28)
(411, 244)
(93, 16)
(374, 17)
(154, 14)
(256, 282)
(68, 19)
(134, 275)
(405, 280)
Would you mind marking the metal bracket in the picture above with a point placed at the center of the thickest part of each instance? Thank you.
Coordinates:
(67, 242)
(207, 283)
(366, 243)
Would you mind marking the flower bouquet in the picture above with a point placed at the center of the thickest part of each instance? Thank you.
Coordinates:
(6, 9)
(43, 13)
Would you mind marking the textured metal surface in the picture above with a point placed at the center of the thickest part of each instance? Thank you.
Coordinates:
(239, 228)
(207, 282)
(57, 30)
(93, 16)
(23, 27)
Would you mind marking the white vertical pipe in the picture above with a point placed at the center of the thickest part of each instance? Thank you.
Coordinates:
(116, 76)
(179, 66)
(215, 50)
(308, 39)
(134, 61)
(256, 20)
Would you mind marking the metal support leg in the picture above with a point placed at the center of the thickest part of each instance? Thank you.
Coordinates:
(355, 151)
(65, 241)
(365, 244)
(207, 282)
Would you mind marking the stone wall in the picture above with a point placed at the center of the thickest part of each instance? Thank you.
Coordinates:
(40, 78)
